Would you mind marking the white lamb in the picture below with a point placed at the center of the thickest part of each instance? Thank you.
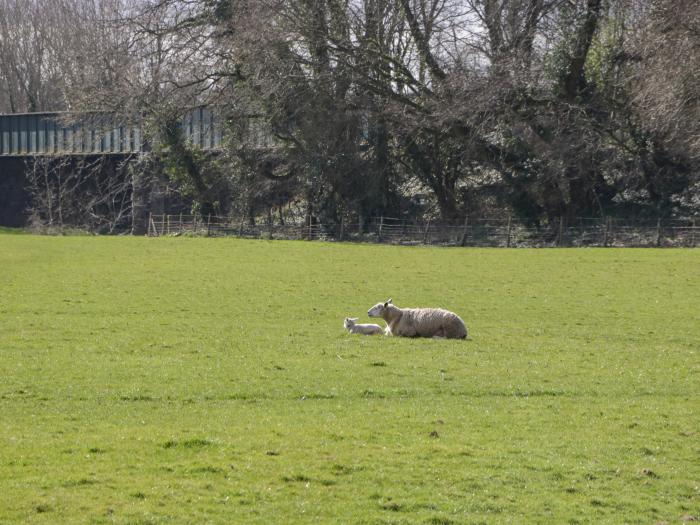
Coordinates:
(419, 322)
(365, 329)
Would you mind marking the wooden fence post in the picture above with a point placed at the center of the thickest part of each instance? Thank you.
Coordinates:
(180, 222)
(425, 234)
(310, 231)
(150, 220)
(560, 233)
(381, 227)
(208, 225)
(463, 242)
(605, 234)
(509, 227)
(658, 232)
(168, 220)
(240, 228)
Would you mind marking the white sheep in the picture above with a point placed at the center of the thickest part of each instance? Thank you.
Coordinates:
(419, 322)
(365, 329)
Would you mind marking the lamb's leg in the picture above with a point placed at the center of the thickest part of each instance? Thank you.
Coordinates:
(439, 333)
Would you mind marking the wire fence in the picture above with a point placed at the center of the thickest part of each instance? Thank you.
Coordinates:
(506, 232)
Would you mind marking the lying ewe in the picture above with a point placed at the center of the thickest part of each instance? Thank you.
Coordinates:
(366, 329)
(419, 322)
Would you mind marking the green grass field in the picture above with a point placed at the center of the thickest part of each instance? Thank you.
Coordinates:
(210, 381)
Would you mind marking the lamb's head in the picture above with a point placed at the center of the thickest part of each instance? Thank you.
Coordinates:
(378, 309)
(349, 322)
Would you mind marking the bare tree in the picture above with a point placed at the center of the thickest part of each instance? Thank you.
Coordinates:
(89, 193)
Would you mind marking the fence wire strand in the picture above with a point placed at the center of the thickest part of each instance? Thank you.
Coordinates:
(472, 232)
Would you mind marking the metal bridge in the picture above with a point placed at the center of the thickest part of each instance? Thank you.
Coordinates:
(63, 133)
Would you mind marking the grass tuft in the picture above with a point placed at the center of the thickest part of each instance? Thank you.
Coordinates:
(194, 443)
(296, 478)
(82, 482)
(208, 469)
(439, 520)
(392, 506)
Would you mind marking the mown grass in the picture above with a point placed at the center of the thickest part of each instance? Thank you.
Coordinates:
(210, 381)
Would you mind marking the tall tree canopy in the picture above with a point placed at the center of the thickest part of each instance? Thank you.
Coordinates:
(541, 108)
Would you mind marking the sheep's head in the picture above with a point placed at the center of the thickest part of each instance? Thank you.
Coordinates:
(378, 309)
(350, 322)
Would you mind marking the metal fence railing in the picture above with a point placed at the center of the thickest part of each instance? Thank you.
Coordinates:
(505, 232)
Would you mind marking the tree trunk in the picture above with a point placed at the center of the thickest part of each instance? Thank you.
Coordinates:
(574, 82)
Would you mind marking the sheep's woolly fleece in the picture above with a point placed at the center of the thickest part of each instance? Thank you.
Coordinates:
(419, 322)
